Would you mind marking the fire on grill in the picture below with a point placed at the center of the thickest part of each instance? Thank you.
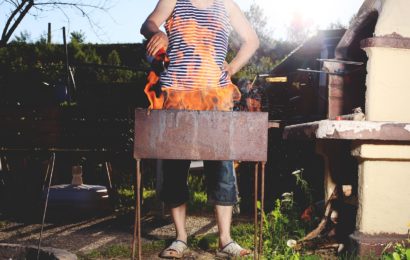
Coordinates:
(190, 124)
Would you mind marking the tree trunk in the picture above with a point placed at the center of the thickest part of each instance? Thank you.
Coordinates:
(21, 11)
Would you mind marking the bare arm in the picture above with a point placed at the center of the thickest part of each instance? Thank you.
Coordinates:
(157, 39)
(250, 41)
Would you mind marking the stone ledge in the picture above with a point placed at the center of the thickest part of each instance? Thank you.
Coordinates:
(394, 40)
(349, 130)
(373, 245)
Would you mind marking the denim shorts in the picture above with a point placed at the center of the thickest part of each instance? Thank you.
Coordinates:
(220, 181)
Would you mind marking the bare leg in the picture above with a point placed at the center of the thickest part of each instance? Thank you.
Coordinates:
(179, 216)
(224, 218)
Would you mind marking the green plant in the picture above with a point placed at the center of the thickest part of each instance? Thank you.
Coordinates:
(243, 234)
(278, 228)
(205, 242)
(121, 251)
(154, 246)
(110, 252)
(148, 194)
(303, 184)
(198, 202)
(400, 251)
(125, 198)
(280, 225)
(196, 182)
(3, 224)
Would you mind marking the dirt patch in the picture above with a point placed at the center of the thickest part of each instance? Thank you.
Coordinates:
(92, 235)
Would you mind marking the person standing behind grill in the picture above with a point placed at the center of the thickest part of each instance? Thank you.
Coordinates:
(198, 78)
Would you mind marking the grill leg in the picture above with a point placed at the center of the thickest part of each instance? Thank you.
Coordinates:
(255, 208)
(262, 208)
(137, 219)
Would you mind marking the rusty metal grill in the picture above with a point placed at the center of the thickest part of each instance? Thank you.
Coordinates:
(200, 135)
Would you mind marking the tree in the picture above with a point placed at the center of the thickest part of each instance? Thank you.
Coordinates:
(78, 36)
(299, 28)
(117, 75)
(21, 8)
(258, 19)
(336, 25)
(114, 58)
(265, 57)
(24, 37)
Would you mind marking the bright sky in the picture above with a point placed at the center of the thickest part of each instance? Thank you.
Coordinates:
(122, 23)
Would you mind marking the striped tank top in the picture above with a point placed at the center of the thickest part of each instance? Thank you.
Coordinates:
(198, 44)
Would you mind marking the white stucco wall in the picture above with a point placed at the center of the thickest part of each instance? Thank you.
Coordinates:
(394, 17)
(384, 188)
(388, 84)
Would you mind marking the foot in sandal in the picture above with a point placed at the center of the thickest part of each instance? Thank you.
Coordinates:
(175, 250)
(232, 249)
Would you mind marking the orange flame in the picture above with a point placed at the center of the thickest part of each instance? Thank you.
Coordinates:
(154, 99)
(253, 105)
(206, 93)
(198, 99)
(202, 99)
(215, 98)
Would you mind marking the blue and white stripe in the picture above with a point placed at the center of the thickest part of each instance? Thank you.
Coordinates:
(198, 45)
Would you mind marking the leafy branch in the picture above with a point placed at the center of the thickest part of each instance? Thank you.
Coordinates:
(20, 9)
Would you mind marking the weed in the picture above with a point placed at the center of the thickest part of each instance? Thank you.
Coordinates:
(303, 184)
(196, 182)
(112, 251)
(400, 251)
(3, 224)
(281, 224)
(198, 202)
(205, 242)
(148, 194)
(89, 256)
(350, 256)
(125, 198)
(154, 246)
(129, 193)
(243, 234)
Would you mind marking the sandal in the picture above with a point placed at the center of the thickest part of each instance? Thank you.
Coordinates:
(175, 250)
(232, 249)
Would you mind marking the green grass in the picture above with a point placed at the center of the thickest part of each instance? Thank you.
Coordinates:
(198, 202)
(280, 225)
(399, 251)
(126, 199)
(311, 257)
(204, 242)
(127, 193)
(154, 246)
(241, 233)
(3, 223)
(116, 251)
(112, 251)
(148, 194)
